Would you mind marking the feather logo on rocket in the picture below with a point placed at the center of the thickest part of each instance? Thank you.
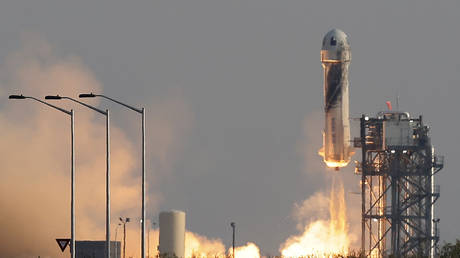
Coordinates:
(335, 58)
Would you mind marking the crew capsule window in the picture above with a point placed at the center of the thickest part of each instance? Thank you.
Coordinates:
(333, 41)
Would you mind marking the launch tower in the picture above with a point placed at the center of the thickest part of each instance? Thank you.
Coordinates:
(398, 191)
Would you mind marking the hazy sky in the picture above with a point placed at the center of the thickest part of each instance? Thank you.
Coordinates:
(241, 79)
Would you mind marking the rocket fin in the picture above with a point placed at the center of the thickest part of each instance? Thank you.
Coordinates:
(321, 152)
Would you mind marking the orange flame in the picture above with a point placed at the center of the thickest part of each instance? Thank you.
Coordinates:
(198, 246)
(323, 238)
(250, 250)
(336, 164)
(201, 247)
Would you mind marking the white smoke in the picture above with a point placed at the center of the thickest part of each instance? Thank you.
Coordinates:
(35, 155)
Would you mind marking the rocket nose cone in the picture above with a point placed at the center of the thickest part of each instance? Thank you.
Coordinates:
(335, 39)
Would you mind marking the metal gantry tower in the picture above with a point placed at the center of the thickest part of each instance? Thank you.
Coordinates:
(397, 186)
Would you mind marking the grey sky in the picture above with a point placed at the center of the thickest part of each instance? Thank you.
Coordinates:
(249, 72)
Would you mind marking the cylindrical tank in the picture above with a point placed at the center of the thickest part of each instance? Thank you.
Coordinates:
(172, 233)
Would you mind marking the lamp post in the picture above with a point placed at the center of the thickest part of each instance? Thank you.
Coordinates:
(107, 179)
(154, 225)
(124, 221)
(233, 225)
(72, 165)
(142, 112)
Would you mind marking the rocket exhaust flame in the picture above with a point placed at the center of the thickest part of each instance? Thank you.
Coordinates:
(335, 57)
(249, 250)
(323, 238)
(335, 164)
(198, 246)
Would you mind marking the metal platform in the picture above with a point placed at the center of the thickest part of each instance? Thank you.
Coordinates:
(397, 186)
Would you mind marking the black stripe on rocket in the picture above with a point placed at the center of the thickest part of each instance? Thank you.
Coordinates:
(333, 85)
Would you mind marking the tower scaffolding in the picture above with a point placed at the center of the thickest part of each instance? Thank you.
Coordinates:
(397, 186)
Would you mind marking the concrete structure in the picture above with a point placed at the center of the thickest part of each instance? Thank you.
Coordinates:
(172, 233)
(96, 249)
(397, 186)
(336, 57)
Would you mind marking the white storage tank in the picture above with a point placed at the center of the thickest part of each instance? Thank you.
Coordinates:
(172, 233)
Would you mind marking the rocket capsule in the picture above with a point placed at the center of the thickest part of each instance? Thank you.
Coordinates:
(336, 57)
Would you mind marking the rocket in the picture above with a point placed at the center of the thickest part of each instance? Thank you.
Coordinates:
(335, 58)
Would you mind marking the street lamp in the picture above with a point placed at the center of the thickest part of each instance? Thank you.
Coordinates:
(233, 225)
(107, 179)
(142, 112)
(124, 221)
(148, 239)
(72, 165)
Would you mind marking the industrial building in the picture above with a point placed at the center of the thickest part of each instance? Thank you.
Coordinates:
(96, 249)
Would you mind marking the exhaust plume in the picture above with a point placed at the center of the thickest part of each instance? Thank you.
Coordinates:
(322, 219)
(201, 247)
(250, 250)
(322, 237)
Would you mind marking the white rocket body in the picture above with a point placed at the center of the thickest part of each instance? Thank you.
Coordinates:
(336, 57)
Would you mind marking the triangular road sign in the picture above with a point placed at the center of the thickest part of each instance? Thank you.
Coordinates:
(63, 243)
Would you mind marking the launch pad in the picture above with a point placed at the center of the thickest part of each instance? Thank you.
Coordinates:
(398, 190)
(397, 169)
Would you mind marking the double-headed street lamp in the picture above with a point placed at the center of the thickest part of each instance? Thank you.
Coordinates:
(142, 112)
(107, 179)
(72, 170)
(123, 222)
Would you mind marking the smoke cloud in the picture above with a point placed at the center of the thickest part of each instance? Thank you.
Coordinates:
(249, 250)
(200, 246)
(35, 156)
(327, 220)
(325, 235)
